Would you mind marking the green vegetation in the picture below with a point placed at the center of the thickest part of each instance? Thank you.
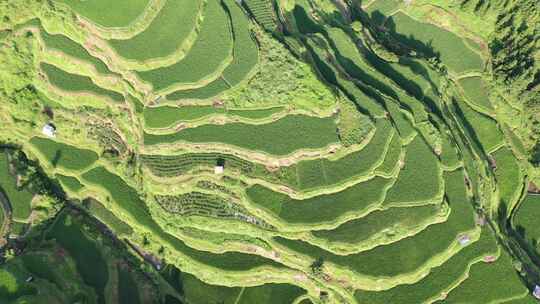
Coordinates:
(127, 287)
(168, 30)
(433, 40)
(299, 88)
(271, 293)
(245, 51)
(71, 48)
(378, 222)
(392, 156)
(76, 83)
(167, 116)
(438, 280)
(508, 175)
(99, 211)
(377, 152)
(489, 282)
(263, 12)
(476, 91)
(304, 132)
(90, 263)
(353, 127)
(482, 127)
(70, 182)
(322, 208)
(198, 292)
(525, 218)
(213, 46)
(20, 198)
(419, 179)
(119, 14)
(62, 155)
(408, 254)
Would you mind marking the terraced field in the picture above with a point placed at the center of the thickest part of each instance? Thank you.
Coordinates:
(261, 152)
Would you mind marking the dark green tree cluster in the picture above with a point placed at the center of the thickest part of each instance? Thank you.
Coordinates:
(515, 47)
(481, 7)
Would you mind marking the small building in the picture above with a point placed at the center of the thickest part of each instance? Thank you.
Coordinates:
(218, 169)
(490, 259)
(464, 240)
(49, 130)
(536, 292)
(220, 166)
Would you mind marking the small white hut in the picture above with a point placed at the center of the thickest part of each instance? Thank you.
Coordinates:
(49, 130)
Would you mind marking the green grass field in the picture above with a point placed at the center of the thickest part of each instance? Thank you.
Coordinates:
(439, 278)
(526, 216)
(199, 292)
(431, 40)
(489, 282)
(304, 132)
(213, 46)
(64, 156)
(90, 263)
(449, 155)
(419, 179)
(128, 200)
(482, 127)
(167, 116)
(410, 253)
(99, 211)
(102, 12)
(165, 34)
(377, 222)
(76, 83)
(392, 156)
(476, 92)
(322, 208)
(20, 199)
(208, 91)
(325, 172)
(508, 175)
(128, 291)
(71, 48)
(385, 7)
(245, 51)
(271, 293)
(70, 182)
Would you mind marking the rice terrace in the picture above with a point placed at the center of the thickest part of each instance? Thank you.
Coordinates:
(269, 151)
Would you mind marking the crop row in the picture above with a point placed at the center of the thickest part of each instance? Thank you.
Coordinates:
(262, 10)
(208, 185)
(305, 175)
(107, 137)
(129, 202)
(207, 205)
